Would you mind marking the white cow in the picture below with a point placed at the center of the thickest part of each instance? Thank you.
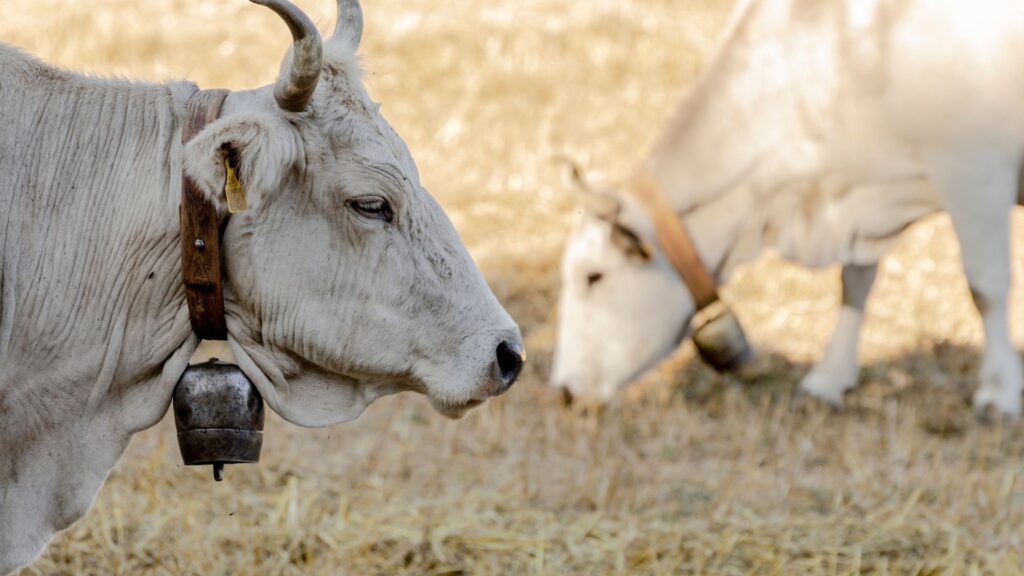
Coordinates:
(344, 282)
(823, 129)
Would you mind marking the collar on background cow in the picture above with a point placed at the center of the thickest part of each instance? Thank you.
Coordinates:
(675, 241)
(716, 331)
(200, 231)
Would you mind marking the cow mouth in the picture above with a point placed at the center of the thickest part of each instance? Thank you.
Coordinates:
(455, 410)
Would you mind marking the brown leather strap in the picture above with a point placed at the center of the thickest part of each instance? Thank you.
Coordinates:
(674, 241)
(200, 232)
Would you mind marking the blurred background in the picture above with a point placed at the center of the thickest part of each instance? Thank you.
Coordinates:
(691, 472)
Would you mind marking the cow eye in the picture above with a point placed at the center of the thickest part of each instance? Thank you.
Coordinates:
(373, 207)
(594, 278)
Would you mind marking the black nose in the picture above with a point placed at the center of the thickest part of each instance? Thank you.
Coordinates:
(510, 363)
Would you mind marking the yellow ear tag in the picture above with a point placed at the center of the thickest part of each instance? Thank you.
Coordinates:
(233, 190)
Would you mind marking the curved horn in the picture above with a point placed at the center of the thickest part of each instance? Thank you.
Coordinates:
(576, 171)
(350, 22)
(299, 78)
(605, 205)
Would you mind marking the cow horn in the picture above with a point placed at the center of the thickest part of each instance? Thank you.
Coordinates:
(605, 205)
(576, 172)
(349, 27)
(299, 78)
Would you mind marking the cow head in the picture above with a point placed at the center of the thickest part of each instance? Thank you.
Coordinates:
(344, 279)
(622, 306)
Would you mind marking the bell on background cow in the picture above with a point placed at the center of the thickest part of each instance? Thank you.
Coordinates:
(219, 416)
(720, 339)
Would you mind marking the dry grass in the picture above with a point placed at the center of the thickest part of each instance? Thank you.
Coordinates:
(691, 473)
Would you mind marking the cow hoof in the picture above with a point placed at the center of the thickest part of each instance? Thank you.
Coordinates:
(826, 386)
(999, 399)
(1000, 387)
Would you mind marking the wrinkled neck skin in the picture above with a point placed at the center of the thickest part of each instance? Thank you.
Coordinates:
(285, 379)
(94, 330)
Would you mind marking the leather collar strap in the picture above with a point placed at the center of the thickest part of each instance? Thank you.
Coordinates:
(200, 231)
(674, 240)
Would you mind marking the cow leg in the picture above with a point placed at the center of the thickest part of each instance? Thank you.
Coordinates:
(837, 371)
(979, 198)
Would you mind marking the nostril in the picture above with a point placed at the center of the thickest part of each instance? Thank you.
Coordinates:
(510, 362)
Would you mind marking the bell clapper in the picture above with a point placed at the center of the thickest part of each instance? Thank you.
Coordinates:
(218, 471)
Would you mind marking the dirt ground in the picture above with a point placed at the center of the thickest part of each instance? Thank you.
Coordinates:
(691, 473)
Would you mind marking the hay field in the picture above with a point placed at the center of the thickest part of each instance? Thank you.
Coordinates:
(692, 473)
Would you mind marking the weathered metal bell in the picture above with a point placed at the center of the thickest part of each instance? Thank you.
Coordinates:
(720, 340)
(219, 416)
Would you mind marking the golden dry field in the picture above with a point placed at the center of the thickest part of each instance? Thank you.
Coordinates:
(692, 472)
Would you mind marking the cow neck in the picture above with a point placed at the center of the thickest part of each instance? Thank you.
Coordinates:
(200, 231)
(674, 240)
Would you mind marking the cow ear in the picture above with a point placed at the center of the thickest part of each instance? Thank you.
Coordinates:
(631, 243)
(245, 157)
(601, 203)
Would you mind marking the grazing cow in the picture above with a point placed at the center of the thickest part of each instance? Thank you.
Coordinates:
(822, 129)
(344, 281)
